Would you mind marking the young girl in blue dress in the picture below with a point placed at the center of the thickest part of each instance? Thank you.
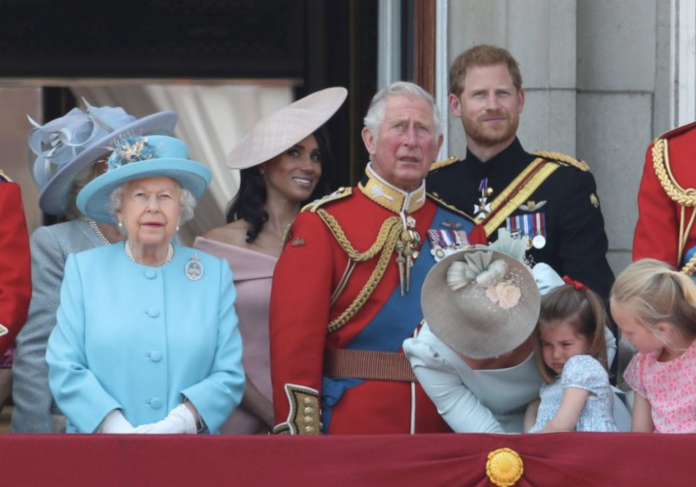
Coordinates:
(570, 351)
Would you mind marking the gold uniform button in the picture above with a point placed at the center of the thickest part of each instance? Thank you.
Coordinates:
(309, 411)
(307, 401)
(309, 429)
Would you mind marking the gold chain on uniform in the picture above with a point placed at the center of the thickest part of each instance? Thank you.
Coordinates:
(384, 245)
(683, 197)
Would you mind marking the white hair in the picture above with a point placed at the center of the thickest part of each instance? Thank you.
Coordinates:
(375, 114)
(187, 203)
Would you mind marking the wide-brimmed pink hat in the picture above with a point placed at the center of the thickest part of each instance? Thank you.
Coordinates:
(283, 129)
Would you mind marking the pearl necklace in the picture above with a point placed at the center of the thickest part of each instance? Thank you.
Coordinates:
(170, 254)
(93, 225)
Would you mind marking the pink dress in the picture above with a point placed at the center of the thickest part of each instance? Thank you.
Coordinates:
(670, 387)
(252, 273)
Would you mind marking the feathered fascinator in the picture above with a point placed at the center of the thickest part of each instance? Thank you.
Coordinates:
(60, 149)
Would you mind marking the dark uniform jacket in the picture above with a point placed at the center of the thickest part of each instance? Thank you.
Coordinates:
(575, 241)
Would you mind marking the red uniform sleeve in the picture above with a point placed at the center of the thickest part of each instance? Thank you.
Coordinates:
(657, 230)
(15, 264)
(300, 307)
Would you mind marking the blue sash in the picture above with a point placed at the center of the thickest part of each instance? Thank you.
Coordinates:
(395, 322)
(689, 255)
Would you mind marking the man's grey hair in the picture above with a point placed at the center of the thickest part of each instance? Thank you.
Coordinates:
(187, 203)
(375, 114)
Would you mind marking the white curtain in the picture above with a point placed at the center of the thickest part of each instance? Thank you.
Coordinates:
(212, 118)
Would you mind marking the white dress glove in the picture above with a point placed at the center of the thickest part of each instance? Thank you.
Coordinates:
(180, 420)
(546, 278)
(115, 423)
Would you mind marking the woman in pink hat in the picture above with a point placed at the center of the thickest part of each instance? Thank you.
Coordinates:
(283, 163)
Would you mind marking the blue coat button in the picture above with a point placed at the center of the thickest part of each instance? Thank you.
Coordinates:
(150, 273)
(155, 356)
(152, 312)
(156, 403)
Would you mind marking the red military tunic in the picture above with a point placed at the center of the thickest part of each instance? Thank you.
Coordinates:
(15, 264)
(308, 273)
(663, 199)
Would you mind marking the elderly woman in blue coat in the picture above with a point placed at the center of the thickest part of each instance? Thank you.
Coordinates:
(146, 339)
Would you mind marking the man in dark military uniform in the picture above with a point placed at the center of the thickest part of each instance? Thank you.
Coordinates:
(547, 198)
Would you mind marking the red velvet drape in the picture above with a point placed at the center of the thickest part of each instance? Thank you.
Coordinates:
(568, 459)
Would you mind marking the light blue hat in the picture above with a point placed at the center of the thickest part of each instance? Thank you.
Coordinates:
(64, 147)
(139, 157)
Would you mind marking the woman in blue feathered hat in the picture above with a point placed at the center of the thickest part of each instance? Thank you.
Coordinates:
(146, 339)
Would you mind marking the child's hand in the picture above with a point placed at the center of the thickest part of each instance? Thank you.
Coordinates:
(531, 415)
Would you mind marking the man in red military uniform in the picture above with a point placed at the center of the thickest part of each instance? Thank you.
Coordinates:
(666, 201)
(15, 277)
(346, 289)
(15, 263)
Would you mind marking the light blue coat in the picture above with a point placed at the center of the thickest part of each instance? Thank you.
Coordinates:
(141, 339)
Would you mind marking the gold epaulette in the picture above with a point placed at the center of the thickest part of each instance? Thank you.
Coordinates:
(4, 176)
(340, 193)
(564, 159)
(436, 198)
(443, 163)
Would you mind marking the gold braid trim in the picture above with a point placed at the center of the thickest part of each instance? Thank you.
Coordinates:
(384, 245)
(568, 160)
(443, 163)
(685, 198)
(660, 156)
(387, 228)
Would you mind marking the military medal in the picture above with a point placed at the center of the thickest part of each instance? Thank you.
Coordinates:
(531, 226)
(446, 242)
(539, 229)
(482, 210)
(194, 269)
(539, 241)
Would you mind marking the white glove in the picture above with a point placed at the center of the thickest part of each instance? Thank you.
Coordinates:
(546, 278)
(115, 423)
(180, 420)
